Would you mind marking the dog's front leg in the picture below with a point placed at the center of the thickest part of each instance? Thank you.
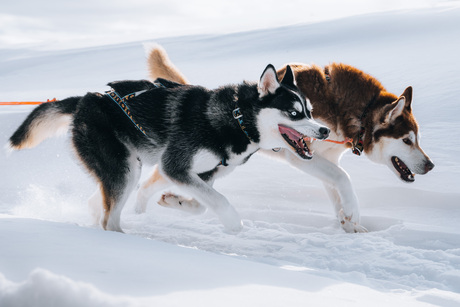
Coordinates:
(208, 196)
(205, 194)
(338, 186)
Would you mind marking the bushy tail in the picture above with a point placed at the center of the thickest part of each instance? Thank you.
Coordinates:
(47, 120)
(160, 66)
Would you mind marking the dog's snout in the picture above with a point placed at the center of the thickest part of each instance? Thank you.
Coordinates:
(324, 132)
(429, 166)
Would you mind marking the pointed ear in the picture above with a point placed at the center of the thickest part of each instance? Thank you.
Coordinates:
(268, 81)
(395, 109)
(289, 79)
(408, 95)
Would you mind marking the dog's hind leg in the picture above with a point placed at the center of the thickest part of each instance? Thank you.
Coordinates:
(95, 206)
(157, 183)
(196, 187)
(115, 168)
(116, 192)
(154, 184)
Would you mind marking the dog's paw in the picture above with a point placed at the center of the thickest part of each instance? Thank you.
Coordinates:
(349, 224)
(230, 219)
(178, 202)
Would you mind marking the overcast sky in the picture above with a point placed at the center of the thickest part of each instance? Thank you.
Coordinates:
(61, 24)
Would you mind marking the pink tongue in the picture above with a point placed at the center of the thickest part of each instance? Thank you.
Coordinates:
(291, 133)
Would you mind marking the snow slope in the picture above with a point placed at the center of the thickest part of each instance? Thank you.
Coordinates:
(291, 252)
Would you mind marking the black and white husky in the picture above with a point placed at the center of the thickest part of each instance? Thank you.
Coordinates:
(192, 133)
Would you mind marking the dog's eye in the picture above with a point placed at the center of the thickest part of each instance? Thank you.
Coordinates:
(294, 113)
(407, 141)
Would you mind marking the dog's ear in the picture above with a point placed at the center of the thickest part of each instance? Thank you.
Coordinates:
(395, 109)
(408, 95)
(289, 79)
(268, 81)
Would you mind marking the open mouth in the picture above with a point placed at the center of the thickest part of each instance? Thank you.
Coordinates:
(296, 140)
(402, 169)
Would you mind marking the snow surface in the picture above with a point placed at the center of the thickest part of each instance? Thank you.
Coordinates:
(292, 251)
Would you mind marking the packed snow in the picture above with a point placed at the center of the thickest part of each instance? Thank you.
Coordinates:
(291, 251)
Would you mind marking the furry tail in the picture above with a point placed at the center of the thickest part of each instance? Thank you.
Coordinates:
(47, 120)
(160, 66)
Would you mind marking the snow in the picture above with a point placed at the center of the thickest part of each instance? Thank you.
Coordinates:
(292, 251)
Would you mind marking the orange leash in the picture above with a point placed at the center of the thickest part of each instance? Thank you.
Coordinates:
(15, 103)
(347, 140)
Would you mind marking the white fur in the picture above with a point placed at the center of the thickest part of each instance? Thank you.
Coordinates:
(397, 110)
(48, 125)
(202, 161)
(268, 83)
(298, 106)
(412, 155)
(270, 137)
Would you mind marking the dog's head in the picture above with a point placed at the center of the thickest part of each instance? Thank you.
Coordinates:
(285, 117)
(396, 141)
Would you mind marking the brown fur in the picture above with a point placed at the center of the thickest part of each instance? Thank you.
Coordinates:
(341, 101)
(163, 67)
(107, 206)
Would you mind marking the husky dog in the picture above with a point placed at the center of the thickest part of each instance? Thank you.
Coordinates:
(362, 116)
(193, 134)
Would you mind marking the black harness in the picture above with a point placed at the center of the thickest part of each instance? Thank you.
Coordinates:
(121, 102)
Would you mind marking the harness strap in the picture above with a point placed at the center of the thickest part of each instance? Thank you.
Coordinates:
(121, 102)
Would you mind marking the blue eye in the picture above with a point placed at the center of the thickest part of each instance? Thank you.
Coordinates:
(294, 113)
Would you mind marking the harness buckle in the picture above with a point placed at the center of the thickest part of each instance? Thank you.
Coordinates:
(237, 113)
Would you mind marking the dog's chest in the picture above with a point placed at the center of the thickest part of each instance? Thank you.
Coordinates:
(205, 160)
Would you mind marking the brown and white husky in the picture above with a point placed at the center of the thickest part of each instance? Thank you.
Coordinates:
(362, 115)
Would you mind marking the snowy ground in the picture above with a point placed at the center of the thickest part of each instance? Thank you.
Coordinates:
(291, 252)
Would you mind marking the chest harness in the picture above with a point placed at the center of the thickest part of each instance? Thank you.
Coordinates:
(121, 102)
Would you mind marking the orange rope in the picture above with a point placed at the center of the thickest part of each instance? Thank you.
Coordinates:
(15, 103)
(347, 140)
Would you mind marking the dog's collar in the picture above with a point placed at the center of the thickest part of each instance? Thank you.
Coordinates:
(327, 74)
(239, 118)
(358, 147)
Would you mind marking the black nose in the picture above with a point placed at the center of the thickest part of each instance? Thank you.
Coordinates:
(324, 132)
(429, 166)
